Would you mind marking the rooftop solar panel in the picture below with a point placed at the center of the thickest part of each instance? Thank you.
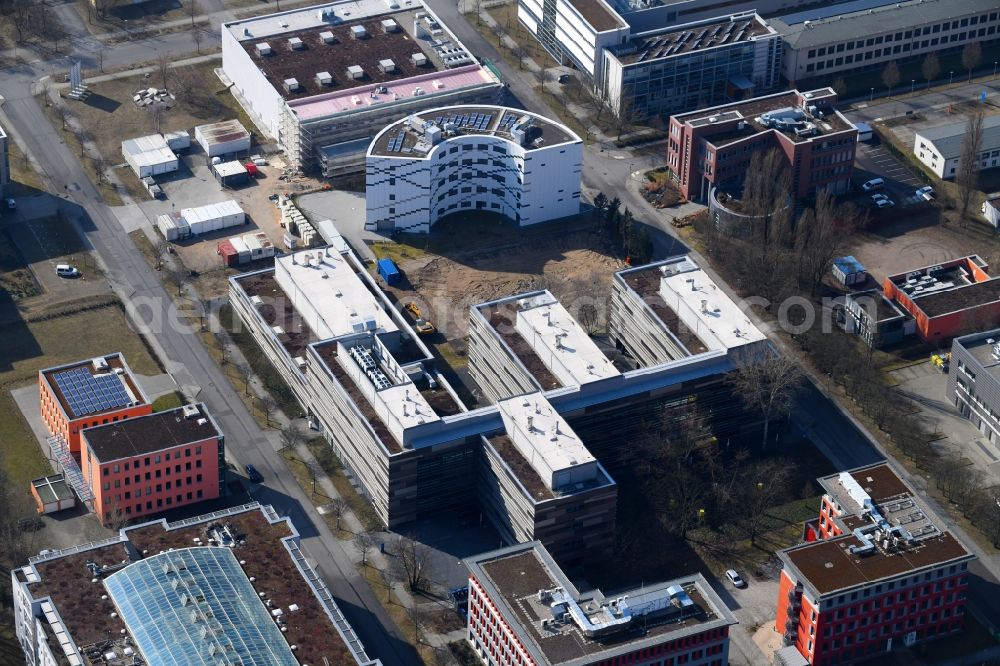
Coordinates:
(87, 394)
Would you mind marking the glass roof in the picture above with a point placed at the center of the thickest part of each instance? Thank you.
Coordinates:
(196, 607)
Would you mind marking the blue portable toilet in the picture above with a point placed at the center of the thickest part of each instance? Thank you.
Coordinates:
(387, 269)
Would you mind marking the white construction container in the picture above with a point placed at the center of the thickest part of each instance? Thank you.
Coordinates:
(223, 138)
(149, 156)
(173, 226)
(179, 140)
(260, 245)
(206, 219)
(242, 249)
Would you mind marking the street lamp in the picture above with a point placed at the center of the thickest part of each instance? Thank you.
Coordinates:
(995, 68)
(951, 77)
(913, 83)
(872, 95)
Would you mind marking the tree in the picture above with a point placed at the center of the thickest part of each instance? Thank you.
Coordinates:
(520, 53)
(338, 507)
(931, 67)
(197, 35)
(162, 249)
(388, 576)
(600, 202)
(413, 559)
(244, 372)
(364, 542)
(100, 57)
(178, 278)
(478, 6)
(156, 115)
(967, 174)
(499, 32)
(163, 65)
(817, 239)
(115, 516)
(625, 115)
(267, 406)
(972, 55)
(587, 316)
(192, 11)
(762, 486)
(890, 76)
(101, 169)
(766, 382)
(290, 436)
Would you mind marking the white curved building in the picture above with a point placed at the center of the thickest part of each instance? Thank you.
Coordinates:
(493, 158)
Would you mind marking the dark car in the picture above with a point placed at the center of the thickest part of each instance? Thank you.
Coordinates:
(254, 475)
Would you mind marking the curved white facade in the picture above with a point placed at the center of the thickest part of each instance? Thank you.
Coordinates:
(463, 158)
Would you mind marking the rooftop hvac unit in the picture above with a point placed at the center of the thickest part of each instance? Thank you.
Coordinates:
(296, 44)
(418, 59)
(100, 363)
(390, 25)
(392, 4)
(263, 49)
(355, 72)
(327, 37)
(358, 32)
(323, 13)
(291, 85)
(324, 78)
(417, 92)
(190, 411)
(386, 66)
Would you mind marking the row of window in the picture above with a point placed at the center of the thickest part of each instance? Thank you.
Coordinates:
(165, 471)
(902, 583)
(133, 509)
(902, 35)
(149, 489)
(898, 49)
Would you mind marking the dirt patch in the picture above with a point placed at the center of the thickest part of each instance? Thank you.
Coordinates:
(572, 266)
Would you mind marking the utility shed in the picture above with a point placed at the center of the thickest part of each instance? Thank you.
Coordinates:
(52, 494)
(849, 271)
(213, 217)
(231, 174)
(225, 138)
(179, 140)
(149, 156)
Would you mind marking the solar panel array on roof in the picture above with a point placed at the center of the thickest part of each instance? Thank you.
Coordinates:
(396, 143)
(89, 394)
(508, 121)
(479, 122)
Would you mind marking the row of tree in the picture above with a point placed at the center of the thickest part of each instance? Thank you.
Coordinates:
(631, 236)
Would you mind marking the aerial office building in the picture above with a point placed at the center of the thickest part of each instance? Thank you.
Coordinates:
(974, 380)
(487, 158)
(367, 381)
(524, 610)
(231, 587)
(940, 148)
(875, 571)
(324, 80)
(711, 148)
(153, 463)
(839, 38)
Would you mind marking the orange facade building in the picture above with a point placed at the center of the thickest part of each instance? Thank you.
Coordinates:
(948, 299)
(89, 393)
(149, 464)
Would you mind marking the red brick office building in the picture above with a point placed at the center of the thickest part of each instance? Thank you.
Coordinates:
(713, 147)
(875, 573)
(149, 464)
(523, 610)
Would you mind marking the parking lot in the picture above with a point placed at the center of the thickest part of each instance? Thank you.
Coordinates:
(874, 161)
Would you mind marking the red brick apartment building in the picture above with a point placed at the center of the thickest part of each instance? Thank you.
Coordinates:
(948, 299)
(89, 393)
(875, 573)
(149, 464)
(712, 147)
(523, 610)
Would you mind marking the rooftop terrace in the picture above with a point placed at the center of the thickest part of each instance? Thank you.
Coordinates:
(686, 39)
(277, 311)
(788, 113)
(502, 321)
(86, 608)
(599, 15)
(415, 136)
(514, 577)
(155, 432)
(94, 386)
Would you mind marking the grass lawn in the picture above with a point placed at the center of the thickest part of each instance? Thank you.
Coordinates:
(171, 400)
(107, 190)
(23, 179)
(15, 279)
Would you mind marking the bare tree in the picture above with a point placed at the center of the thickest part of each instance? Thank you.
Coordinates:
(762, 486)
(587, 316)
(890, 76)
(499, 32)
(817, 238)
(388, 576)
(177, 278)
(972, 55)
(163, 65)
(520, 53)
(365, 542)
(413, 558)
(338, 507)
(767, 382)
(100, 57)
(115, 516)
(198, 37)
(267, 406)
(100, 168)
(82, 137)
(625, 115)
(156, 111)
(244, 372)
(478, 6)
(192, 11)
(967, 174)
(930, 68)
(62, 114)
(290, 436)
(161, 250)
(413, 615)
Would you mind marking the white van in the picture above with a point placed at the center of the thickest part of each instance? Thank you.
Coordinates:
(67, 271)
(873, 184)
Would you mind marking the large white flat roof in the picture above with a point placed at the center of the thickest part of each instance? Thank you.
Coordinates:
(703, 307)
(546, 441)
(407, 405)
(313, 16)
(328, 293)
(562, 345)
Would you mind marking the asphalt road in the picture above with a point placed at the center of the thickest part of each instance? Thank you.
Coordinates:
(186, 358)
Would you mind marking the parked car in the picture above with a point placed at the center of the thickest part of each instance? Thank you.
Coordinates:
(873, 184)
(735, 578)
(254, 475)
(11, 203)
(926, 193)
(884, 202)
(878, 197)
(67, 271)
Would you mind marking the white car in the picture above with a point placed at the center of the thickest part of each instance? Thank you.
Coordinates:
(873, 184)
(11, 204)
(926, 193)
(67, 271)
(735, 578)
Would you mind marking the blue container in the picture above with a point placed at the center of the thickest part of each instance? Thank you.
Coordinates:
(387, 269)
